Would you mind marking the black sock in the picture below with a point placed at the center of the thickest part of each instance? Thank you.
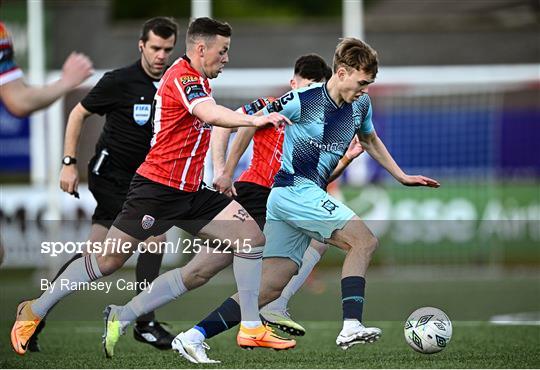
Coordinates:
(222, 318)
(352, 297)
(148, 265)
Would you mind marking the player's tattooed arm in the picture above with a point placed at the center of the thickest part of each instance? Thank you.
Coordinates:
(377, 150)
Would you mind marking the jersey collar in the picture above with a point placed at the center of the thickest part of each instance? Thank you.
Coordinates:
(186, 58)
(327, 96)
(140, 67)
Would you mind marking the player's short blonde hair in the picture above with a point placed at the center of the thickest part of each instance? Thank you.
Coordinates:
(356, 54)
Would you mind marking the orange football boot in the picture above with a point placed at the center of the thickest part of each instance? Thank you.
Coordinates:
(262, 336)
(24, 327)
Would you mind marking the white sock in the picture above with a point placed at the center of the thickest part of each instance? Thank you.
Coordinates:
(350, 323)
(310, 259)
(164, 289)
(82, 270)
(247, 269)
(194, 336)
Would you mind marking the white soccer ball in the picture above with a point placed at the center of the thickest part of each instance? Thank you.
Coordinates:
(428, 330)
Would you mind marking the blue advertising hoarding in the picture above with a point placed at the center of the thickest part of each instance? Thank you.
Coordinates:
(14, 142)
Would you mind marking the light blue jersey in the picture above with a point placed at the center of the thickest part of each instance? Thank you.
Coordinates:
(320, 134)
(298, 207)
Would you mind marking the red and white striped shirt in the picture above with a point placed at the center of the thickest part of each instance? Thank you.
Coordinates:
(267, 149)
(266, 161)
(180, 140)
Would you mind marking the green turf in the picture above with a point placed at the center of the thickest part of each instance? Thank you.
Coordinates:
(470, 301)
(476, 345)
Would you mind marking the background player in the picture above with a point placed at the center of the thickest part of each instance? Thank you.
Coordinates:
(21, 99)
(167, 191)
(125, 97)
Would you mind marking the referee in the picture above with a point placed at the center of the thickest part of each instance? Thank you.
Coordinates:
(125, 97)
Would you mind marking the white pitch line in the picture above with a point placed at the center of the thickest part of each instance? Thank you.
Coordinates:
(516, 323)
(522, 318)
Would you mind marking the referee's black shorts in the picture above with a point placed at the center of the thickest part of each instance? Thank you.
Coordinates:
(110, 195)
(253, 198)
(152, 208)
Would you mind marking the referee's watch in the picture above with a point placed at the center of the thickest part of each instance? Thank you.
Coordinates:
(68, 160)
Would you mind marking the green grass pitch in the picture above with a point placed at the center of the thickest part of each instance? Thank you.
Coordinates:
(69, 342)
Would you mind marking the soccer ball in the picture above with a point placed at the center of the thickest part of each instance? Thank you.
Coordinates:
(428, 330)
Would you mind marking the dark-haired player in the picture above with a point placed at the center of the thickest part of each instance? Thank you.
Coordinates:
(125, 97)
(167, 191)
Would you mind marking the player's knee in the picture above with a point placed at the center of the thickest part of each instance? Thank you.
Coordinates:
(251, 238)
(321, 248)
(368, 245)
(371, 244)
(109, 264)
(258, 239)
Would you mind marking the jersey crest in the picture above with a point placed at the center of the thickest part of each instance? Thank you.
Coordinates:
(142, 113)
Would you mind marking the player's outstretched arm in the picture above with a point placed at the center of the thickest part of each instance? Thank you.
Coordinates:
(377, 150)
(210, 112)
(69, 175)
(22, 99)
(354, 150)
(76, 69)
